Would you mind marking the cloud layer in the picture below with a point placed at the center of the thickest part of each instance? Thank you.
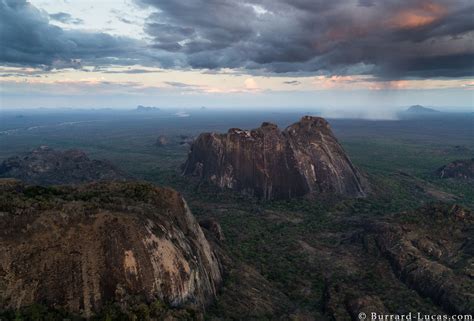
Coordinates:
(28, 39)
(387, 39)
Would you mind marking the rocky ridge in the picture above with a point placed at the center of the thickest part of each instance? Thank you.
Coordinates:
(431, 250)
(462, 169)
(398, 262)
(46, 166)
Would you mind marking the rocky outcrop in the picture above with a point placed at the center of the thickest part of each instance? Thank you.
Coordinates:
(462, 169)
(78, 248)
(46, 166)
(305, 158)
(431, 250)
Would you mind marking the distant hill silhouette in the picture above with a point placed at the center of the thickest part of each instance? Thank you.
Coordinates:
(421, 109)
(146, 108)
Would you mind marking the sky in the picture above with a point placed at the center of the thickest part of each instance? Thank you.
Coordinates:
(360, 54)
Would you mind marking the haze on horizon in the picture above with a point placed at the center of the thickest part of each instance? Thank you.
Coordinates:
(364, 54)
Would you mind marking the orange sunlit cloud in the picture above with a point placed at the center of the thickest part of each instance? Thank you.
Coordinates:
(426, 14)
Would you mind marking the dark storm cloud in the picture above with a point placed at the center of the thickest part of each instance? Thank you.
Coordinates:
(28, 39)
(389, 39)
(385, 38)
(65, 18)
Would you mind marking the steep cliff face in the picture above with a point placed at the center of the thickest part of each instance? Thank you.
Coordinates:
(305, 158)
(79, 248)
(46, 166)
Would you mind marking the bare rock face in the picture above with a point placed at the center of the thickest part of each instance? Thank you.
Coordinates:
(462, 169)
(46, 166)
(78, 248)
(305, 158)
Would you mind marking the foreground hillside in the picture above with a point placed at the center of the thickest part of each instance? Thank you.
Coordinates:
(126, 247)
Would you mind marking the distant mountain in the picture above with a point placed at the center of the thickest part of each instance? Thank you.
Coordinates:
(146, 108)
(46, 166)
(421, 109)
(303, 159)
